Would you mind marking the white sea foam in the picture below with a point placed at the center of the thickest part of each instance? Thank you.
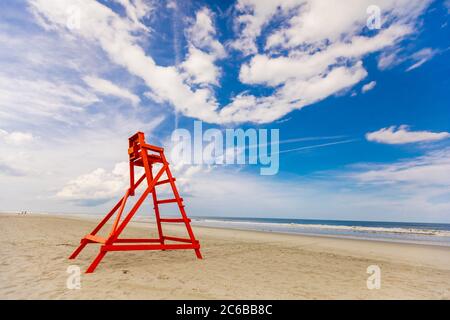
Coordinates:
(292, 227)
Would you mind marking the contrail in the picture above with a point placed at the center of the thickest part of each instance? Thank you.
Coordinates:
(296, 140)
(176, 46)
(307, 147)
(311, 139)
(319, 145)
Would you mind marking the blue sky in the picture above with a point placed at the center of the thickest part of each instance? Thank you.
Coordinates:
(368, 108)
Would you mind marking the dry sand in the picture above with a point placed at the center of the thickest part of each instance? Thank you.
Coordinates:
(236, 265)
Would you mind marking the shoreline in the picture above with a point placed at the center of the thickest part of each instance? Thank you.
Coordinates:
(335, 237)
(237, 264)
(200, 222)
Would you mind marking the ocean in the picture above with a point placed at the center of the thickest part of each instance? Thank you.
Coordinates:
(422, 233)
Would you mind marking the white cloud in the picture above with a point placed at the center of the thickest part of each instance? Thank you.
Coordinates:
(409, 189)
(432, 169)
(395, 57)
(369, 86)
(204, 50)
(42, 99)
(106, 87)
(202, 34)
(321, 37)
(118, 39)
(303, 78)
(313, 22)
(314, 89)
(11, 165)
(389, 59)
(310, 70)
(420, 57)
(16, 137)
(171, 4)
(136, 10)
(263, 69)
(100, 185)
(253, 16)
(295, 94)
(319, 21)
(200, 67)
(97, 186)
(402, 135)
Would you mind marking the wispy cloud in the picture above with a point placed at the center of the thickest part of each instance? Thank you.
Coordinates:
(16, 137)
(432, 169)
(106, 87)
(420, 57)
(402, 135)
(397, 56)
(369, 86)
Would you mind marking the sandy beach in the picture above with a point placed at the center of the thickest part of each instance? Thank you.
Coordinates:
(236, 265)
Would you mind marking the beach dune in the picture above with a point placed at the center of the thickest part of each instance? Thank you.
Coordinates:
(236, 265)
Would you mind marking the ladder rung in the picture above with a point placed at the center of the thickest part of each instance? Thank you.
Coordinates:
(153, 148)
(174, 220)
(164, 182)
(168, 201)
(95, 238)
(179, 239)
(152, 157)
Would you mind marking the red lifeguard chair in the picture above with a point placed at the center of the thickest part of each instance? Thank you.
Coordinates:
(147, 156)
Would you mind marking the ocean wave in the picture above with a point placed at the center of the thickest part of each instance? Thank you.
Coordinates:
(300, 227)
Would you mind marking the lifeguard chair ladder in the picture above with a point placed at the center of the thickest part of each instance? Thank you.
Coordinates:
(143, 155)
